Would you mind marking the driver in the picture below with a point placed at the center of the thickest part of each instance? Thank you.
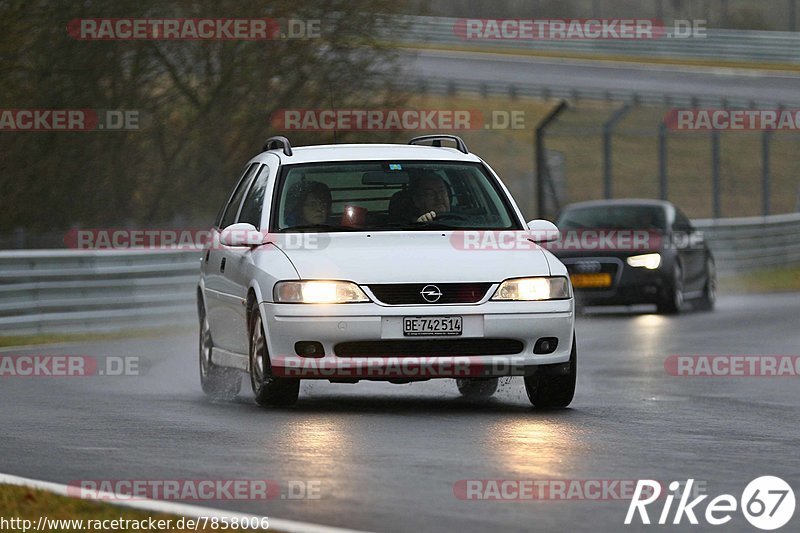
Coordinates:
(429, 196)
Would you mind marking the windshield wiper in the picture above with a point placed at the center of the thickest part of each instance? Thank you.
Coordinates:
(314, 227)
(432, 226)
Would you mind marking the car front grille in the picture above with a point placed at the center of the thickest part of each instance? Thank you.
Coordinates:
(428, 348)
(412, 293)
(591, 266)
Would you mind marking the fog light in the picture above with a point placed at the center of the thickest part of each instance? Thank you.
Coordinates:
(309, 349)
(545, 345)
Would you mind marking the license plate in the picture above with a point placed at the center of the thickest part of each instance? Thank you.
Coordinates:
(431, 325)
(591, 281)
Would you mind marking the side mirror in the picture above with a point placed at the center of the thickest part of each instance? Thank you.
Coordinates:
(543, 231)
(242, 234)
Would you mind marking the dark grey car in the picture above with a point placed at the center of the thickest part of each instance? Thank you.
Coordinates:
(624, 252)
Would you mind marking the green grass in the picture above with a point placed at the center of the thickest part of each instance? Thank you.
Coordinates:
(29, 504)
(785, 279)
(52, 338)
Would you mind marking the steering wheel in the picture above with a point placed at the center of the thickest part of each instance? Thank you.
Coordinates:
(449, 215)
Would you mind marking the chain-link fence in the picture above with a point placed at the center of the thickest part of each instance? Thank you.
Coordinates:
(628, 152)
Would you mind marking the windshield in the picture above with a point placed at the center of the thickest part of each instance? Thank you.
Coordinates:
(646, 217)
(390, 195)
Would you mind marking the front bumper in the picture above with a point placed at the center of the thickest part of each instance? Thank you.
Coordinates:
(629, 285)
(332, 325)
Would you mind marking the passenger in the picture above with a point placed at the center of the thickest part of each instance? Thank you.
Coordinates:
(308, 203)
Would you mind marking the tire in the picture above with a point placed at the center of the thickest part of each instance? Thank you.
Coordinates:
(268, 389)
(550, 387)
(708, 300)
(218, 382)
(477, 388)
(672, 301)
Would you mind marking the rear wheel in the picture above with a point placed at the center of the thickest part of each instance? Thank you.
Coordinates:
(268, 389)
(553, 386)
(672, 301)
(217, 382)
(477, 388)
(709, 298)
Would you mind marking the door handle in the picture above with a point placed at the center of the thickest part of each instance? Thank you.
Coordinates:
(222, 265)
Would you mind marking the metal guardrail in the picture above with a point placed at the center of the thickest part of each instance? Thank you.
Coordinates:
(575, 95)
(751, 243)
(732, 45)
(75, 291)
(53, 291)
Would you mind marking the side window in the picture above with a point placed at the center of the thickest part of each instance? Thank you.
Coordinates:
(232, 209)
(254, 202)
(681, 222)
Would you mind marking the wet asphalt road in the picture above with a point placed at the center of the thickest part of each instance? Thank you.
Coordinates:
(386, 457)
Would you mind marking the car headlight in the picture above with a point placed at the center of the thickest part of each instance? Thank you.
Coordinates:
(533, 289)
(318, 292)
(649, 261)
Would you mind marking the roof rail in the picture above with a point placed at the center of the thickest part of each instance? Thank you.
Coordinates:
(270, 144)
(437, 141)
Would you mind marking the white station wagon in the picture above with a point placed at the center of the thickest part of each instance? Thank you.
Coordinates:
(384, 262)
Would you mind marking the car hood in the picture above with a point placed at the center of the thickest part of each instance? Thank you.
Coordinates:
(410, 257)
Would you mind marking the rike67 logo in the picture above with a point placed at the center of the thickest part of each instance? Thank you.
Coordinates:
(767, 502)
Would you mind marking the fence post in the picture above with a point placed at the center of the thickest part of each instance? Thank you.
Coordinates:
(662, 161)
(715, 170)
(608, 131)
(766, 137)
(541, 158)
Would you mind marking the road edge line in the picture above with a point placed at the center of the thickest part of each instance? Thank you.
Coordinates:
(179, 509)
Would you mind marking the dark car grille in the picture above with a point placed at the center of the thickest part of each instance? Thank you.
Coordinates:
(591, 266)
(428, 348)
(411, 293)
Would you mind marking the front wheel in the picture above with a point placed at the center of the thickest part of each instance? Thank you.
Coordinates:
(477, 388)
(553, 386)
(672, 301)
(709, 298)
(217, 382)
(268, 389)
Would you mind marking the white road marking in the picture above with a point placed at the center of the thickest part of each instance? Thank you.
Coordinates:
(179, 509)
